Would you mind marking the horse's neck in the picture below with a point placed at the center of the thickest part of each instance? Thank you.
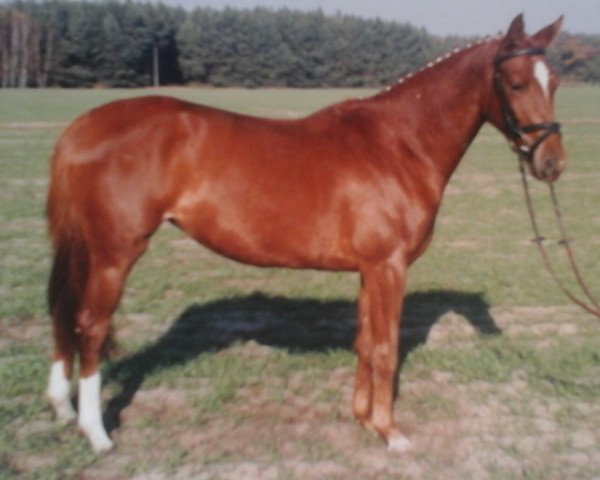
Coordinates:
(440, 109)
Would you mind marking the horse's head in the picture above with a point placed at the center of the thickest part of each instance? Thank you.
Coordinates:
(523, 103)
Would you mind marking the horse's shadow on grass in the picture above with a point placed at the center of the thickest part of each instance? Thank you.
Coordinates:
(295, 325)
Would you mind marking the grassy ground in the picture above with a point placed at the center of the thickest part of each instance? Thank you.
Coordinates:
(232, 372)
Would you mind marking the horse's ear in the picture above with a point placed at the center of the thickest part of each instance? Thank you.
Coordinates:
(515, 34)
(543, 38)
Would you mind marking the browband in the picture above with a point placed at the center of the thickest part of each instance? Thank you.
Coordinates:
(519, 53)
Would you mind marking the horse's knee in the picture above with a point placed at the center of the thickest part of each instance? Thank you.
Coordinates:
(384, 360)
(362, 350)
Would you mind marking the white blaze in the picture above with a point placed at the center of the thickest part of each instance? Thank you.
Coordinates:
(542, 75)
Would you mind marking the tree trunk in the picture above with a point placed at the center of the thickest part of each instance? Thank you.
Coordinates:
(14, 50)
(25, 46)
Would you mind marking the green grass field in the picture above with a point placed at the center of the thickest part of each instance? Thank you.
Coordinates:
(226, 371)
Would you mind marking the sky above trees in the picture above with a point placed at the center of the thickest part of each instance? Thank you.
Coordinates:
(441, 17)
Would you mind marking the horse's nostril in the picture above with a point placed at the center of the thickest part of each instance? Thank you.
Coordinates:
(549, 166)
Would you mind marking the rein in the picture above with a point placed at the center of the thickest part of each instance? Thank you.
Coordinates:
(594, 309)
(526, 152)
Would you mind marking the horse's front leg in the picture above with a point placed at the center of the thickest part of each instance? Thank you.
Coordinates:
(363, 345)
(380, 305)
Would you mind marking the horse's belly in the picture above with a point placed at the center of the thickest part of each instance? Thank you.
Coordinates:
(264, 239)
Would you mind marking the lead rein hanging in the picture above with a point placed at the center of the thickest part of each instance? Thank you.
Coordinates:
(594, 309)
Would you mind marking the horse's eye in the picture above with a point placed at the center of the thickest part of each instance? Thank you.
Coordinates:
(517, 87)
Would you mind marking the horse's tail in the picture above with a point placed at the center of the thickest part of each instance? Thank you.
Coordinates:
(70, 267)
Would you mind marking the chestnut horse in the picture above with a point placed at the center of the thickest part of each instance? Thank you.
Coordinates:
(353, 187)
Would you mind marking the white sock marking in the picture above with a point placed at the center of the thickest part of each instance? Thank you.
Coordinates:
(90, 413)
(59, 391)
(542, 75)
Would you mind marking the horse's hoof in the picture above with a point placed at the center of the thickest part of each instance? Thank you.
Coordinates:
(102, 445)
(63, 411)
(98, 438)
(399, 444)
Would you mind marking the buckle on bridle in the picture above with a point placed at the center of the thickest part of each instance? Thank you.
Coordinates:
(547, 129)
(522, 150)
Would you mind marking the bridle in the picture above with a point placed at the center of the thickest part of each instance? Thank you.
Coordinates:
(511, 122)
(525, 152)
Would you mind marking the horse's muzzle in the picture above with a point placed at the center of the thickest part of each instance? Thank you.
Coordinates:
(547, 166)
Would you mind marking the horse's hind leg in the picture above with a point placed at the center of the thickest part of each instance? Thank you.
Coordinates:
(103, 291)
(63, 308)
(59, 384)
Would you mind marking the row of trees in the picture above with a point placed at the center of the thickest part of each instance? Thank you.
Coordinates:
(288, 48)
(80, 43)
(25, 50)
(115, 43)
